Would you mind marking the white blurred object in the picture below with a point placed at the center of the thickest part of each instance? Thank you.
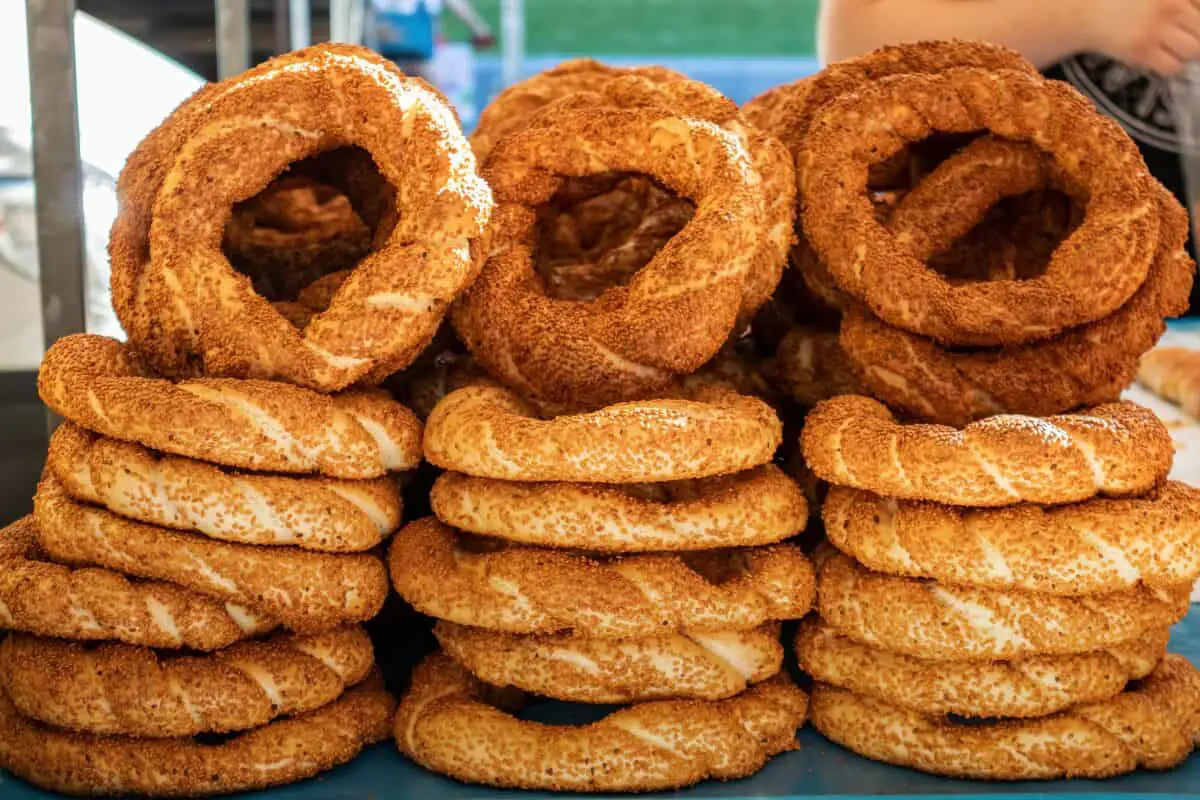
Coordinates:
(111, 68)
(452, 70)
(1185, 107)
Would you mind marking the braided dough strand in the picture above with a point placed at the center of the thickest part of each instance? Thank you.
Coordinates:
(1155, 725)
(306, 591)
(1031, 687)
(444, 725)
(1098, 545)
(97, 383)
(285, 751)
(944, 623)
(705, 666)
(519, 589)
(313, 513)
(98, 604)
(118, 689)
(1117, 449)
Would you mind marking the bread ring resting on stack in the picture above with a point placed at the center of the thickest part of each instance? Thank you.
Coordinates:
(1174, 374)
(182, 302)
(676, 591)
(445, 725)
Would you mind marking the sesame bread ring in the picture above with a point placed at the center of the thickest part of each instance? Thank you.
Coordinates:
(810, 366)
(1117, 450)
(99, 384)
(1173, 373)
(519, 589)
(306, 591)
(704, 666)
(445, 725)
(118, 689)
(1098, 545)
(1154, 725)
(312, 513)
(1031, 687)
(930, 620)
(285, 751)
(185, 306)
(489, 432)
(759, 506)
(48, 599)
(1089, 364)
(671, 316)
(1091, 274)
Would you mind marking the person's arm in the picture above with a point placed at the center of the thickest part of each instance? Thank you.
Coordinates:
(470, 17)
(1157, 34)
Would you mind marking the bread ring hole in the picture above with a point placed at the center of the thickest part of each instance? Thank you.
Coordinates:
(598, 231)
(319, 217)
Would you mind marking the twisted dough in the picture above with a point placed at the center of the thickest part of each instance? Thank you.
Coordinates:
(444, 725)
(1118, 449)
(183, 304)
(704, 666)
(97, 383)
(530, 590)
(811, 366)
(489, 432)
(672, 316)
(759, 506)
(1174, 374)
(1089, 364)
(312, 513)
(1155, 725)
(308, 592)
(118, 689)
(1031, 687)
(91, 604)
(1091, 274)
(1094, 546)
(285, 751)
(944, 623)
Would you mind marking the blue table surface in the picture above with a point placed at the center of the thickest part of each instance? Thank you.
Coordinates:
(819, 769)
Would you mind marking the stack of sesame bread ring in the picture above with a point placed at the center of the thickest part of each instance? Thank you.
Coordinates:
(208, 534)
(629, 555)
(1022, 570)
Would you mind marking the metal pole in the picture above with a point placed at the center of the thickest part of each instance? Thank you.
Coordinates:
(347, 21)
(512, 40)
(300, 23)
(233, 37)
(57, 168)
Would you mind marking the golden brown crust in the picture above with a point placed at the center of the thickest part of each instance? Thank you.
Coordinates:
(1095, 271)
(312, 513)
(704, 666)
(179, 298)
(97, 604)
(931, 620)
(811, 366)
(1174, 374)
(1031, 687)
(1089, 364)
(672, 316)
(1098, 545)
(519, 589)
(759, 506)
(444, 725)
(306, 591)
(98, 384)
(1154, 725)
(718, 432)
(1116, 450)
(119, 689)
(285, 751)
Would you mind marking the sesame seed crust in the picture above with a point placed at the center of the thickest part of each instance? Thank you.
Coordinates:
(1174, 374)
(444, 724)
(132, 691)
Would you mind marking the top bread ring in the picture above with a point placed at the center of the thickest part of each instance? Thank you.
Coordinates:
(672, 316)
(99, 384)
(489, 432)
(179, 298)
(1095, 270)
(1117, 450)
